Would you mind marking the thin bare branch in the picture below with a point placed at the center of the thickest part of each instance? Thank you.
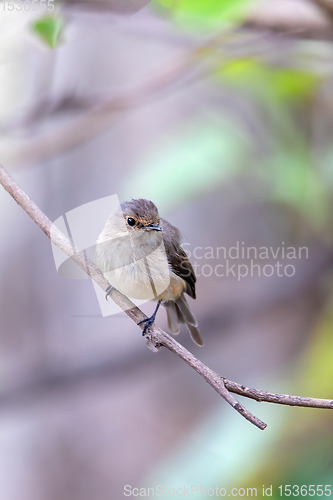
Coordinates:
(281, 399)
(157, 337)
(306, 19)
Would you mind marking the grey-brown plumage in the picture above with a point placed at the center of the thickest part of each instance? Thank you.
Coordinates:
(178, 310)
(124, 259)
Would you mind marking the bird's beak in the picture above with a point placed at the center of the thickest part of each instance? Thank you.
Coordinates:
(152, 227)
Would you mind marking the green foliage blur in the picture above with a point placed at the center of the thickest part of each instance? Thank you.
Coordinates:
(203, 15)
(49, 29)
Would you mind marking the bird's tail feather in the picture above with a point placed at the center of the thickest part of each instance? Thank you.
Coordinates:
(179, 312)
(185, 310)
(195, 334)
(172, 317)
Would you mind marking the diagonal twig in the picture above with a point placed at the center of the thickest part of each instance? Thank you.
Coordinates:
(157, 337)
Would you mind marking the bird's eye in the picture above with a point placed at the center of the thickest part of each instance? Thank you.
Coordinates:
(130, 221)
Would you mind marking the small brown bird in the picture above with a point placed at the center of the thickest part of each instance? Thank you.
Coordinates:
(141, 256)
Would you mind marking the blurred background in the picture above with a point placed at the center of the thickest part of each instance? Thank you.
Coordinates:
(221, 113)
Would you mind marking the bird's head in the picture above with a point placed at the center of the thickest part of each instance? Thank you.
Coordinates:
(141, 216)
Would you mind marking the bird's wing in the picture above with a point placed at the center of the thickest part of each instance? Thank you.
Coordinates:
(177, 257)
(181, 266)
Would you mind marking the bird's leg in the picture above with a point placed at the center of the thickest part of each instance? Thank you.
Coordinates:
(108, 290)
(148, 322)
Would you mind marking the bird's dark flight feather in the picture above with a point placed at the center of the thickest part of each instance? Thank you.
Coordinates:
(177, 257)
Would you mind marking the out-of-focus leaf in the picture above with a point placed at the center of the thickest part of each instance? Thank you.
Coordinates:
(317, 373)
(296, 182)
(49, 29)
(204, 13)
(289, 170)
(268, 81)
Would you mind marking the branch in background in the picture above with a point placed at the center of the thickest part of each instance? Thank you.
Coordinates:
(93, 104)
(281, 399)
(326, 6)
(100, 110)
(157, 337)
(307, 18)
(86, 127)
(112, 6)
(298, 20)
